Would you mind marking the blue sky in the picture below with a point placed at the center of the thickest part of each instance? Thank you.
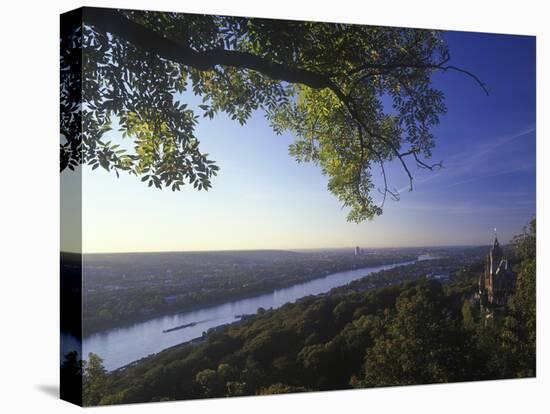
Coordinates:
(263, 199)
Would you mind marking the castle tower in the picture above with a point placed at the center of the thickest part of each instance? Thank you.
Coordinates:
(495, 255)
(498, 281)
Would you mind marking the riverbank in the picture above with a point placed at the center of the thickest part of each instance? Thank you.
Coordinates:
(194, 341)
(119, 347)
(90, 328)
(405, 272)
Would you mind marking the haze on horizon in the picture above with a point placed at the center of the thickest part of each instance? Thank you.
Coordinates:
(264, 199)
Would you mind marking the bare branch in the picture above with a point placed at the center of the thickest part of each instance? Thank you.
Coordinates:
(470, 74)
(422, 164)
(394, 194)
(386, 69)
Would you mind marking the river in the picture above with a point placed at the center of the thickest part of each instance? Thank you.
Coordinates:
(120, 346)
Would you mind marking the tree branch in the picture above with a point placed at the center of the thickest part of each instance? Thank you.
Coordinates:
(470, 74)
(422, 164)
(350, 107)
(112, 21)
(116, 23)
(386, 69)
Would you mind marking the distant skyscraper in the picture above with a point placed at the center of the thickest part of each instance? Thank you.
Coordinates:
(357, 250)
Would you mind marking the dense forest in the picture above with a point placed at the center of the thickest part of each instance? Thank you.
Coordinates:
(416, 332)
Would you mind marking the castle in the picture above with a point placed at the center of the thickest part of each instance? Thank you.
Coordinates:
(498, 281)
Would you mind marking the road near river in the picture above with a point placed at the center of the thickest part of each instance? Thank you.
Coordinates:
(120, 346)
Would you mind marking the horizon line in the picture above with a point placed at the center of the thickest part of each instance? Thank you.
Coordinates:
(279, 249)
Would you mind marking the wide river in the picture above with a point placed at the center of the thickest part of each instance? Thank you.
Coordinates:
(120, 346)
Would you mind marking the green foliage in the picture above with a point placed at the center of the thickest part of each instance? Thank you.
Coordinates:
(521, 328)
(314, 344)
(523, 303)
(421, 343)
(414, 332)
(323, 82)
(94, 380)
(467, 315)
(208, 380)
(280, 388)
(506, 341)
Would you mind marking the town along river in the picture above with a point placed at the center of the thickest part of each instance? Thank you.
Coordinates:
(120, 346)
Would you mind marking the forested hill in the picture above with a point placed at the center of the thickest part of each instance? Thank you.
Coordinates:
(415, 332)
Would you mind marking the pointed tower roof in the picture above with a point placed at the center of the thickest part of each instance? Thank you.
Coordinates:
(495, 243)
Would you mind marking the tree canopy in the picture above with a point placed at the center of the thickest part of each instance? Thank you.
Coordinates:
(354, 97)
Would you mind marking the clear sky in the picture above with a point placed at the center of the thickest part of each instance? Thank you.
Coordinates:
(263, 199)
